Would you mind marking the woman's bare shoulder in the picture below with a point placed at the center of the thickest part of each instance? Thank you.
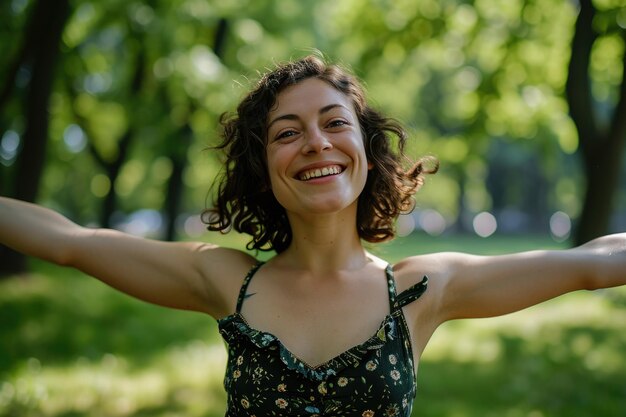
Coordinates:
(412, 270)
(224, 269)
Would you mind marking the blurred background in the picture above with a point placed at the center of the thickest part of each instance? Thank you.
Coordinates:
(107, 110)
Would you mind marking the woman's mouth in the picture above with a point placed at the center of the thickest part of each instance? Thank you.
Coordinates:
(320, 172)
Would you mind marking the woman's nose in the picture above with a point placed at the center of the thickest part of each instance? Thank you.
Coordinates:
(316, 141)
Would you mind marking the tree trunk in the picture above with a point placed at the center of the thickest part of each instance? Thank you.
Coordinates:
(602, 167)
(113, 169)
(48, 22)
(601, 149)
(175, 186)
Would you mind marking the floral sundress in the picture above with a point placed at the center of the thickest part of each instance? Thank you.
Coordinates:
(374, 378)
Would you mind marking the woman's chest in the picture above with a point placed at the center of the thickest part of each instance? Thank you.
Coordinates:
(317, 324)
(264, 378)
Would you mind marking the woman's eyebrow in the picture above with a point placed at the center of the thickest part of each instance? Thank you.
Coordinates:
(328, 108)
(291, 116)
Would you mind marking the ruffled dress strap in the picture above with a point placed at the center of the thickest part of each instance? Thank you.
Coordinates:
(407, 296)
(244, 285)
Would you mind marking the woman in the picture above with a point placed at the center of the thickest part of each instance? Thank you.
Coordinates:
(323, 327)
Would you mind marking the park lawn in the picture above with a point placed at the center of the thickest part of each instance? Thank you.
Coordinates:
(71, 347)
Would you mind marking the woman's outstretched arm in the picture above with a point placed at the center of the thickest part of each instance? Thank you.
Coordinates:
(185, 275)
(470, 286)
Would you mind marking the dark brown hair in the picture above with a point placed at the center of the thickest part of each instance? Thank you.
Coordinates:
(244, 200)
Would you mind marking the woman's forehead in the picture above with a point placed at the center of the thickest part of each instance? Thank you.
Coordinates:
(309, 95)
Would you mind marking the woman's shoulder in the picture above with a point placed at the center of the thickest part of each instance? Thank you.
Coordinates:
(224, 270)
(437, 267)
(221, 260)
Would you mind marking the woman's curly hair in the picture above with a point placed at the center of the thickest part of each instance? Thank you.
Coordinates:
(244, 199)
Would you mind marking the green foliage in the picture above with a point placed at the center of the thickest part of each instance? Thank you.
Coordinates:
(460, 74)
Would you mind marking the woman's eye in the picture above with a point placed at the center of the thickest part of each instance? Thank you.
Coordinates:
(286, 134)
(337, 123)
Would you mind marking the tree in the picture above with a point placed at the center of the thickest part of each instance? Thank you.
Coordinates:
(175, 184)
(40, 52)
(601, 143)
(113, 165)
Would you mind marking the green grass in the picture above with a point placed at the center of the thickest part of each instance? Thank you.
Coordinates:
(72, 347)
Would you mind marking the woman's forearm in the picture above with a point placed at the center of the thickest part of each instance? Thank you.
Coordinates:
(34, 230)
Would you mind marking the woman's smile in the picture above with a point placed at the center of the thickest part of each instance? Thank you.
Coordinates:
(313, 173)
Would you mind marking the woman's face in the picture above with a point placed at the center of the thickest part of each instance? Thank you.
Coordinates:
(315, 153)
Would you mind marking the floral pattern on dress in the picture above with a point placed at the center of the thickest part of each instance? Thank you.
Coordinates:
(374, 378)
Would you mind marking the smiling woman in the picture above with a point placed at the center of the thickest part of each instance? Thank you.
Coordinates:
(298, 108)
(323, 327)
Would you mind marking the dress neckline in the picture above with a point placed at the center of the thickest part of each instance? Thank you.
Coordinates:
(236, 322)
(387, 329)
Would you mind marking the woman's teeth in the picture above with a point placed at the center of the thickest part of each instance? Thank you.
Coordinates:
(320, 172)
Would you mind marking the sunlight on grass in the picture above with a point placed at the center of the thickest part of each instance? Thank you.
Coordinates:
(542, 327)
(561, 358)
(186, 379)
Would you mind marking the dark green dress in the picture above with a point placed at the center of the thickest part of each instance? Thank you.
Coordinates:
(375, 378)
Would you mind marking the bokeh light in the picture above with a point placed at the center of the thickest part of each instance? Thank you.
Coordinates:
(485, 224)
(560, 226)
(432, 222)
(405, 225)
(9, 145)
(74, 138)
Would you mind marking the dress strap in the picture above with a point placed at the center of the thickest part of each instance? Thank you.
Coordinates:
(407, 296)
(412, 293)
(244, 285)
(391, 286)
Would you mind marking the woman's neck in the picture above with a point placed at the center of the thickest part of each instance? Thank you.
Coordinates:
(325, 243)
